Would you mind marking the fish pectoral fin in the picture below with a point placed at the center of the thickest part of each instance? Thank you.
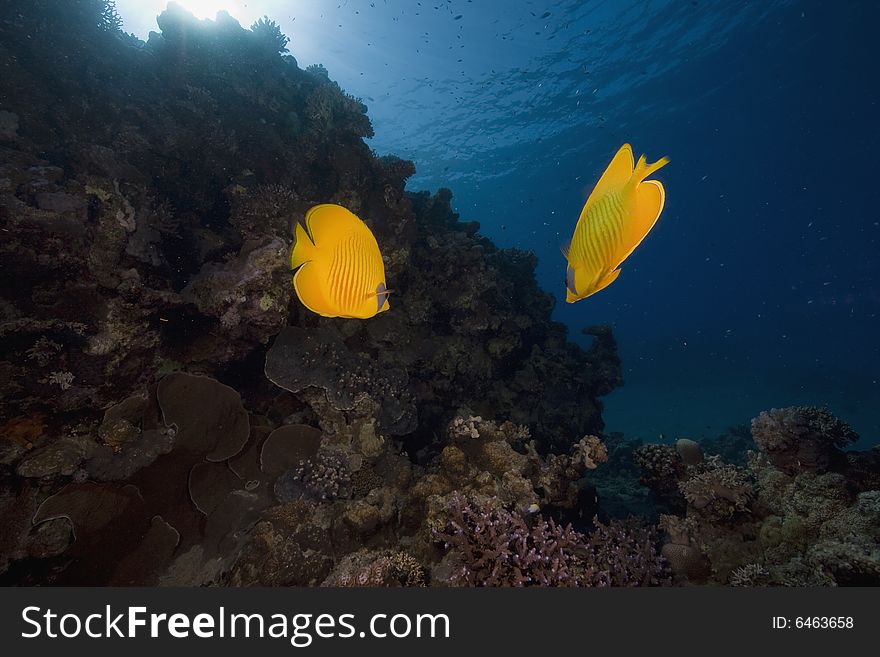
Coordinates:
(650, 198)
(309, 288)
(326, 222)
(565, 247)
(604, 282)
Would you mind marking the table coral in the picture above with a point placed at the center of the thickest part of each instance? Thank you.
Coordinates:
(299, 359)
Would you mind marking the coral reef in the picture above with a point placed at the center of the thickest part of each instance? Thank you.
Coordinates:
(171, 415)
(802, 512)
(157, 374)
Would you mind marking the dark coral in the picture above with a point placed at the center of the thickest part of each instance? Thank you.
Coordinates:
(661, 469)
(320, 359)
(624, 552)
(802, 438)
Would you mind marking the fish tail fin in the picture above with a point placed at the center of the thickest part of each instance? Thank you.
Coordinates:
(303, 247)
(643, 169)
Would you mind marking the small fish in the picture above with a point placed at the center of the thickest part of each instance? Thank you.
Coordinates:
(338, 267)
(617, 216)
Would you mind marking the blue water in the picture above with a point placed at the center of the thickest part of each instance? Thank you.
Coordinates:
(759, 286)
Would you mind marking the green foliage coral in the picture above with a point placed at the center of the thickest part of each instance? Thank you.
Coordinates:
(270, 33)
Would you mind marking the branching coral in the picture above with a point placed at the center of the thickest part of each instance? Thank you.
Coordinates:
(752, 574)
(44, 351)
(497, 548)
(270, 32)
(62, 379)
(494, 547)
(624, 554)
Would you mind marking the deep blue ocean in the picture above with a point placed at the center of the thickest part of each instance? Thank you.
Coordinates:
(758, 288)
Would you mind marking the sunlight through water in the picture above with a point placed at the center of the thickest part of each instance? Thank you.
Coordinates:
(209, 8)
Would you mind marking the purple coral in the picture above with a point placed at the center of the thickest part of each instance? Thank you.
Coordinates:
(494, 547)
(801, 438)
(499, 548)
(624, 553)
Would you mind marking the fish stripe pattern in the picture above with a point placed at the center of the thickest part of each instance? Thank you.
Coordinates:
(623, 207)
(338, 265)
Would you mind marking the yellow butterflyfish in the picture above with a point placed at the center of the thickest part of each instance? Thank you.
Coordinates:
(339, 269)
(617, 216)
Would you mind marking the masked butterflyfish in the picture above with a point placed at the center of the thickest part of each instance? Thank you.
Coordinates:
(617, 216)
(338, 268)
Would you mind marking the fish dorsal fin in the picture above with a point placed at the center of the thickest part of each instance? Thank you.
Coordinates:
(327, 222)
(303, 247)
(650, 199)
(616, 175)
